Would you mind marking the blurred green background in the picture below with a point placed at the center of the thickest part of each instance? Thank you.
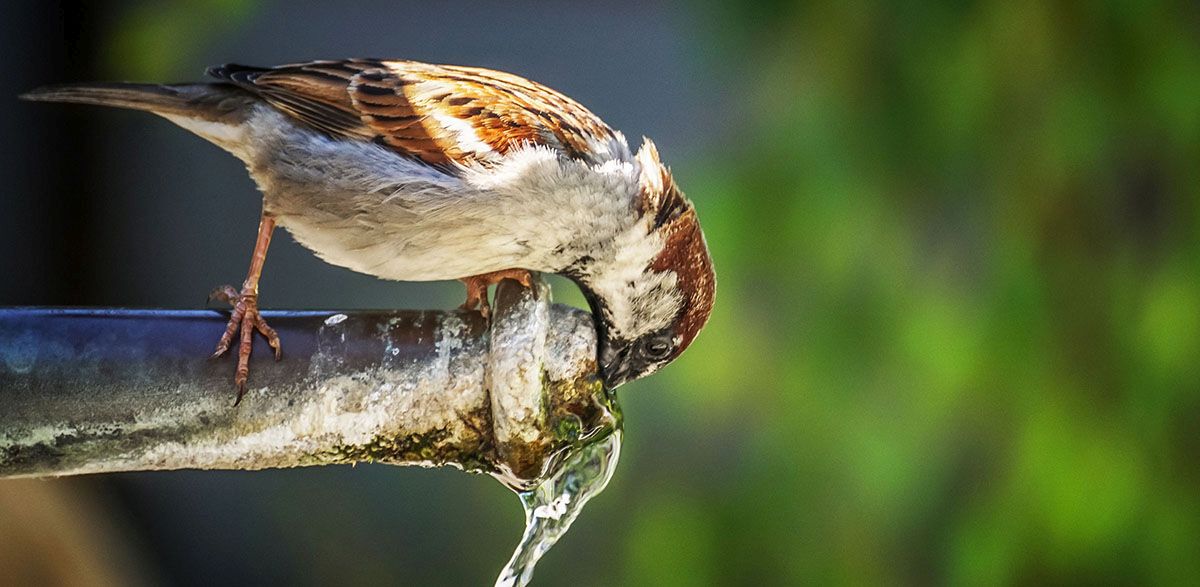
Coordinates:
(958, 315)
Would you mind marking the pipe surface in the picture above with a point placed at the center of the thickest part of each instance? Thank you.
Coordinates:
(91, 391)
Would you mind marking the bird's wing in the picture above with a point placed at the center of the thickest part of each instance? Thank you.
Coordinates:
(439, 114)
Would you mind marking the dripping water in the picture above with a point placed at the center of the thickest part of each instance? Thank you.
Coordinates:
(552, 506)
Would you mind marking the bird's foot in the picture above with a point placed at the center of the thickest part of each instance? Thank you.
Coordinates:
(477, 288)
(246, 319)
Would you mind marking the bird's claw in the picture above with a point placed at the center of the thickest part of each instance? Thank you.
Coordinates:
(243, 321)
(477, 288)
(477, 303)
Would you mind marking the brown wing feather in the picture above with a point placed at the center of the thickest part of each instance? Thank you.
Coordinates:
(438, 114)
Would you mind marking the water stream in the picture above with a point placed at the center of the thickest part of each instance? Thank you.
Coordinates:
(552, 506)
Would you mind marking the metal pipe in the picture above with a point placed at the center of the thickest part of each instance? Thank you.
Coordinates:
(91, 391)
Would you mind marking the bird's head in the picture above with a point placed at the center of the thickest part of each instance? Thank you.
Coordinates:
(655, 293)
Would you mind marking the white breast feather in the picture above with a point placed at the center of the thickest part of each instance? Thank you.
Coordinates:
(362, 206)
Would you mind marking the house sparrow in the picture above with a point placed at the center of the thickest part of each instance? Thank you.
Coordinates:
(415, 172)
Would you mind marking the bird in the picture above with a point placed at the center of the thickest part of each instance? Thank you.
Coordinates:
(412, 171)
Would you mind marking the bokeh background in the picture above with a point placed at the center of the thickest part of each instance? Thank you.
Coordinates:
(958, 317)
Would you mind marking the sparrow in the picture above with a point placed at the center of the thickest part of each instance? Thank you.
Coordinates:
(415, 172)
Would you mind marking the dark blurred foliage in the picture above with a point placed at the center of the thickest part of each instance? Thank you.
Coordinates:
(958, 314)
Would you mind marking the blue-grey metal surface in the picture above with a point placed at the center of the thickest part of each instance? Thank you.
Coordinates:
(95, 390)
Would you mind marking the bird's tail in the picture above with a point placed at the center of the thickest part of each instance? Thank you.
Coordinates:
(212, 102)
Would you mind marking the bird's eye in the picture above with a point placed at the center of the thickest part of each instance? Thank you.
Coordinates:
(658, 348)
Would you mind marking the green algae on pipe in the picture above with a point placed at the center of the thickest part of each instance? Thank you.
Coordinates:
(91, 391)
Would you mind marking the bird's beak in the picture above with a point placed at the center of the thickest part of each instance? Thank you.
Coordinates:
(614, 365)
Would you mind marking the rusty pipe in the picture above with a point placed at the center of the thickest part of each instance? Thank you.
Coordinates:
(92, 391)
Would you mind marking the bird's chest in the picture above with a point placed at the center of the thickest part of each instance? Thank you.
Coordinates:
(396, 236)
(362, 207)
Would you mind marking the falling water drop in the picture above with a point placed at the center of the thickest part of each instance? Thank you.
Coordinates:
(552, 506)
